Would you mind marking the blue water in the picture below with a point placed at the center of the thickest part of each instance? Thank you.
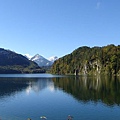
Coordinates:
(35, 95)
(30, 75)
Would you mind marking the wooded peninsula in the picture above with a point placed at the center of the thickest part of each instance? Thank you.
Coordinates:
(88, 61)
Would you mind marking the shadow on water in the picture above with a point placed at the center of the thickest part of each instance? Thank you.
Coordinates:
(97, 89)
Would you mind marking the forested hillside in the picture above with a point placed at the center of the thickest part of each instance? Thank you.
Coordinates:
(11, 62)
(86, 60)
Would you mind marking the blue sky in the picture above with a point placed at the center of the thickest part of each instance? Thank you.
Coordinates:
(57, 27)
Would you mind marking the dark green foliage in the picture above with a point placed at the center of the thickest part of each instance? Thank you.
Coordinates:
(86, 60)
(11, 62)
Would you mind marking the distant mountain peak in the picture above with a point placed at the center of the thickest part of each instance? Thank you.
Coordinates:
(53, 58)
(41, 61)
(37, 57)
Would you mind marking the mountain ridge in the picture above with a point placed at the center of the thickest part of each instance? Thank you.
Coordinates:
(12, 62)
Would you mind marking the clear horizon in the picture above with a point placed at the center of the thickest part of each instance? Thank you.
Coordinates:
(56, 28)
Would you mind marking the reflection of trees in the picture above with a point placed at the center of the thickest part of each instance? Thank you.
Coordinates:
(9, 86)
(105, 89)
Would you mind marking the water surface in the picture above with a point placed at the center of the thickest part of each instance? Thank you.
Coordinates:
(56, 97)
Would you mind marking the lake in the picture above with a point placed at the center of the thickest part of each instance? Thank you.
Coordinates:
(24, 96)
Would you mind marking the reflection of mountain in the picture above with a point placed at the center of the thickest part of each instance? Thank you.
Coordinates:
(39, 85)
(9, 86)
(94, 89)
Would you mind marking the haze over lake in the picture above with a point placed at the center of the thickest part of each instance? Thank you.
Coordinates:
(24, 96)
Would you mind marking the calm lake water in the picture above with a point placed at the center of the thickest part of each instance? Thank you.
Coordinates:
(24, 96)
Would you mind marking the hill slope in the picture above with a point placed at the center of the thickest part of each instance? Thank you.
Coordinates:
(86, 60)
(11, 62)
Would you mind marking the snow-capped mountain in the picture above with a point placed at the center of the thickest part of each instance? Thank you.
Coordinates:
(28, 56)
(41, 61)
(53, 58)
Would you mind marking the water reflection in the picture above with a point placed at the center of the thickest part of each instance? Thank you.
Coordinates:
(11, 86)
(105, 89)
(37, 85)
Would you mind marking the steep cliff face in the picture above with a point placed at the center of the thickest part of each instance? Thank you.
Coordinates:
(91, 66)
(86, 60)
